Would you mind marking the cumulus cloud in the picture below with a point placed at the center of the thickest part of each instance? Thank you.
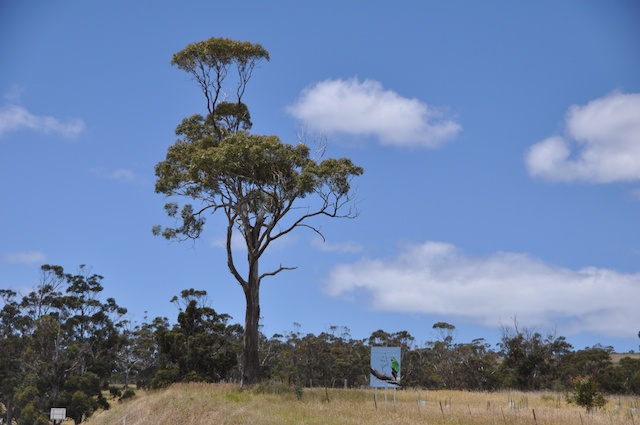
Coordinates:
(438, 278)
(367, 109)
(601, 145)
(28, 258)
(14, 117)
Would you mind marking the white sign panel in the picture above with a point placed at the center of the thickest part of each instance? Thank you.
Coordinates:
(58, 413)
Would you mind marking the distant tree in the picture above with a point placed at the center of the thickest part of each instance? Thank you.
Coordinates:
(138, 355)
(65, 341)
(590, 361)
(13, 336)
(147, 351)
(199, 347)
(327, 359)
(477, 367)
(530, 360)
(621, 378)
(260, 184)
(443, 363)
(444, 355)
(350, 359)
(94, 325)
(402, 339)
(445, 331)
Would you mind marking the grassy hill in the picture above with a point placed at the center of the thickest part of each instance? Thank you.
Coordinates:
(615, 357)
(200, 404)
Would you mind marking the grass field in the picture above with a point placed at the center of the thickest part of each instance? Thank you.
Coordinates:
(615, 357)
(200, 404)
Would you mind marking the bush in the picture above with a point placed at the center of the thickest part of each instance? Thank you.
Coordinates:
(29, 416)
(585, 393)
(127, 394)
(115, 392)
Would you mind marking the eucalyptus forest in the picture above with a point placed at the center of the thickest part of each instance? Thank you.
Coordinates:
(63, 345)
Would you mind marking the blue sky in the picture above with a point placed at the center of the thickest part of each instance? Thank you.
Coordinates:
(500, 142)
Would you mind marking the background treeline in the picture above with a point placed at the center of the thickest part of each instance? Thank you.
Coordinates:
(61, 345)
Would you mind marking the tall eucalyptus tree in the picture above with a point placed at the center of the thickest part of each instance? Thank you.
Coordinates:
(263, 187)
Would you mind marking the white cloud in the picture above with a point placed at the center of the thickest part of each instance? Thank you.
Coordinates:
(602, 143)
(120, 174)
(28, 258)
(438, 278)
(14, 117)
(367, 109)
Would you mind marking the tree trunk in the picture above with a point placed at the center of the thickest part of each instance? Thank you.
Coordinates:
(9, 408)
(250, 354)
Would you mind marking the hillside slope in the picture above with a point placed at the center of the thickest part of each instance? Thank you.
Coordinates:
(206, 404)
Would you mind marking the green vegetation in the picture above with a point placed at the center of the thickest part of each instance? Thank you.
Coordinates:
(60, 345)
(585, 393)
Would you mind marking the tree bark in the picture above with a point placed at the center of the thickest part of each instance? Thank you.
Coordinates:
(250, 353)
(9, 408)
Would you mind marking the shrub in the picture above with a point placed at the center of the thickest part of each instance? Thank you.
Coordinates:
(585, 393)
(128, 393)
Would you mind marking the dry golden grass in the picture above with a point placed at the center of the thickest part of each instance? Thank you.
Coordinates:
(200, 404)
(615, 357)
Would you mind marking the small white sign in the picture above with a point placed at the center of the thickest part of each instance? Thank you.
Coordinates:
(58, 413)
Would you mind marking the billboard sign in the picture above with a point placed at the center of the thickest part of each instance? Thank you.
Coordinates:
(58, 413)
(385, 367)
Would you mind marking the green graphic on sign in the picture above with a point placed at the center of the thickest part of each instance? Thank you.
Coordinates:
(385, 367)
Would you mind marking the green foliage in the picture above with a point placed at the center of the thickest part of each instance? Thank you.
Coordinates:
(79, 404)
(199, 347)
(209, 63)
(298, 390)
(623, 378)
(593, 361)
(585, 393)
(446, 364)
(531, 361)
(128, 393)
(218, 54)
(324, 360)
(64, 342)
(115, 392)
(31, 416)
